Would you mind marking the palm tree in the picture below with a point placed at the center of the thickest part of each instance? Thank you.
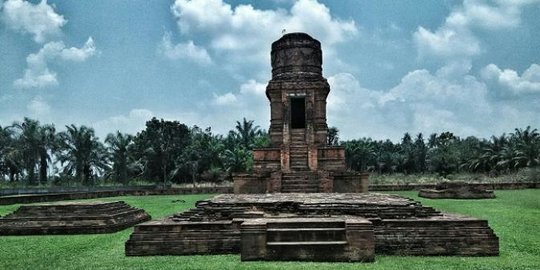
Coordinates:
(496, 154)
(28, 145)
(359, 154)
(406, 158)
(118, 146)
(6, 149)
(47, 144)
(81, 153)
(420, 153)
(245, 133)
(236, 160)
(35, 143)
(527, 150)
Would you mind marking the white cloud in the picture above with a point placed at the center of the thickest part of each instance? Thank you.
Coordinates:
(34, 78)
(456, 37)
(474, 13)
(38, 108)
(131, 123)
(226, 99)
(79, 54)
(252, 87)
(135, 121)
(421, 102)
(187, 50)
(345, 86)
(250, 94)
(510, 81)
(446, 42)
(37, 73)
(243, 34)
(39, 20)
(248, 101)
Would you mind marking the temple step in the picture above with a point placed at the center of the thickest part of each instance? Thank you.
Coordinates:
(305, 234)
(300, 181)
(308, 243)
(298, 135)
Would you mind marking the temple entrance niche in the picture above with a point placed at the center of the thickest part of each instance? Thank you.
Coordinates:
(298, 112)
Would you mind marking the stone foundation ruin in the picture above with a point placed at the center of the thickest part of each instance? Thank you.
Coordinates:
(72, 218)
(457, 190)
(300, 203)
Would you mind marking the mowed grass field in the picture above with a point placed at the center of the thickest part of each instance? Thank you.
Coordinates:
(514, 215)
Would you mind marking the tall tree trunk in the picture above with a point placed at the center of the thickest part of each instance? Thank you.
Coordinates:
(43, 169)
(31, 174)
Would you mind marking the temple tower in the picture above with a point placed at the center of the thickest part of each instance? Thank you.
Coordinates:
(297, 94)
(299, 159)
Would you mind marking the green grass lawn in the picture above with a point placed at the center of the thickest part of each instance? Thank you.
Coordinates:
(514, 215)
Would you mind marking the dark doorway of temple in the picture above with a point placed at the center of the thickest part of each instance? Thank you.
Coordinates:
(298, 113)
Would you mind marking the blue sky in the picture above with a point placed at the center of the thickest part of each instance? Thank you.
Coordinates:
(470, 67)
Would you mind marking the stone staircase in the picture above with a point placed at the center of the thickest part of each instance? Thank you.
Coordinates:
(298, 151)
(300, 182)
(72, 218)
(307, 239)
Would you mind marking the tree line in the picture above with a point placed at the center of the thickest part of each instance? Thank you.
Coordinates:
(164, 152)
(171, 152)
(446, 153)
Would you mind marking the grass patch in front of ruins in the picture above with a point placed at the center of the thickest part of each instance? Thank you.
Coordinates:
(514, 215)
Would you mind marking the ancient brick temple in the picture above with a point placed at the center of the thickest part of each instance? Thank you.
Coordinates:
(329, 217)
(299, 159)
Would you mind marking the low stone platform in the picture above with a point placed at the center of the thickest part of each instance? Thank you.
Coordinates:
(456, 190)
(400, 226)
(72, 218)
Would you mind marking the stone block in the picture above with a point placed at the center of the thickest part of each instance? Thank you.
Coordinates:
(308, 239)
(249, 183)
(347, 182)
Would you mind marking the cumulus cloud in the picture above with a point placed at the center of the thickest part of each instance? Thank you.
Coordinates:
(37, 73)
(508, 81)
(252, 87)
(131, 123)
(249, 101)
(421, 102)
(447, 42)
(135, 121)
(39, 20)
(243, 33)
(187, 50)
(225, 99)
(38, 108)
(79, 54)
(457, 38)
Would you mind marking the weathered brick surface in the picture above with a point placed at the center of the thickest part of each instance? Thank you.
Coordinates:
(169, 237)
(444, 235)
(400, 226)
(74, 218)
